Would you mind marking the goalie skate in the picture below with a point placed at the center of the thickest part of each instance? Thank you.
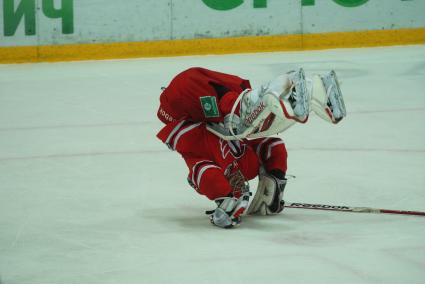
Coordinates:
(299, 97)
(327, 100)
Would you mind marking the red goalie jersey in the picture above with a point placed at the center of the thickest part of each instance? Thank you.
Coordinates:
(194, 97)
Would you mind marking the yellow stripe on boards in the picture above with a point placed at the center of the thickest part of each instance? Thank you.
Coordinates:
(73, 52)
(364, 38)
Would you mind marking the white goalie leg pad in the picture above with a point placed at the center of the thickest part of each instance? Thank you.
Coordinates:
(327, 100)
(293, 104)
(268, 199)
(262, 197)
(267, 124)
(268, 110)
(276, 126)
(258, 108)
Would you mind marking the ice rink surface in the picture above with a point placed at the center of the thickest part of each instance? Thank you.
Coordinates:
(88, 194)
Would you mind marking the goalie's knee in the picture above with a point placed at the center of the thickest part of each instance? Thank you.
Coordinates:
(249, 164)
(273, 154)
(208, 179)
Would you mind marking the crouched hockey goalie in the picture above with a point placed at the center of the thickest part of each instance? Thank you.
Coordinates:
(221, 127)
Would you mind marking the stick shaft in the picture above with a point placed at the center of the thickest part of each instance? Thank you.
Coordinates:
(402, 212)
(351, 209)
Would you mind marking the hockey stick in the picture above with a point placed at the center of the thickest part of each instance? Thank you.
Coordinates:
(351, 209)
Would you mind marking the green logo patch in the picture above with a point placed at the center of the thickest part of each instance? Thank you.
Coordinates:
(209, 106)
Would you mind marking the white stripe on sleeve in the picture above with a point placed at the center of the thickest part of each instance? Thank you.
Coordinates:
(183, 131)
(269, 152)
(202, 170)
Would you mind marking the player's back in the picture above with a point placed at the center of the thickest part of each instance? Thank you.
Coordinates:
(196, 92)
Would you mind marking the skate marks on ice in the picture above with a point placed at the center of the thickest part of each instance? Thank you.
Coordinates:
(167, 152)
(399, 110)
(192, 218)
(375, 150)
(321, 67)
(184, 216)
(409, 254)
(415, 70)
(85, 154)
(66, 126)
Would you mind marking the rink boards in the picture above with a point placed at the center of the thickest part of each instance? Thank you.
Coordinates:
(73, 52)
(47, 30)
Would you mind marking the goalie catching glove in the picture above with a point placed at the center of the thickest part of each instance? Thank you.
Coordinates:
(268, 200)
(229, 211)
